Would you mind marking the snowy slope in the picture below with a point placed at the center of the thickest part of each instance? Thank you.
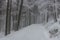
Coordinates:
(33, 32)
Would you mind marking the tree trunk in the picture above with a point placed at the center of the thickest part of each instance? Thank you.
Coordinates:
(29, 18)
(19, 16)
(47, 17)
(55, 8)
(55, 18)
(8, 17)
(0, 12)
(15, 23)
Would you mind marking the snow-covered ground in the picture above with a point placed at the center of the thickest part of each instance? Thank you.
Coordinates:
(36, 32)
(33, 32)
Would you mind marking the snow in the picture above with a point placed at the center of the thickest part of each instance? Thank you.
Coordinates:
(2, 34)
(51, 25)
(36, 32)
(33, 32)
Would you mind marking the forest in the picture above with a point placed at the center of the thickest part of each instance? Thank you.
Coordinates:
(18, 14)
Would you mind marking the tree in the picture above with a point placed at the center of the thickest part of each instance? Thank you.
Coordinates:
(55, 15)
(17, 4)
(1, 2)
(35, 12)
(15, 16)
(29, 17)
(20, 10)
(8, 17)
(0, 6)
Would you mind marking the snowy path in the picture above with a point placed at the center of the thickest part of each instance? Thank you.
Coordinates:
(33, 32)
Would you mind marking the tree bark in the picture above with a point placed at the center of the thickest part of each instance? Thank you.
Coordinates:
(8, 17)
(19, 16)
(29, 18)
(55, 15)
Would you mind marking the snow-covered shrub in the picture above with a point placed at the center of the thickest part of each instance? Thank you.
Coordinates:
(54, 30)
